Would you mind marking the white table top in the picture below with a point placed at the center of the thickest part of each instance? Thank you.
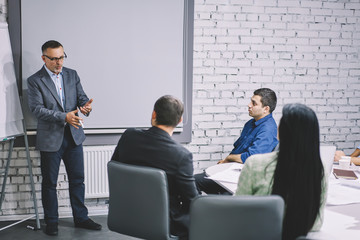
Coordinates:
(342, 211)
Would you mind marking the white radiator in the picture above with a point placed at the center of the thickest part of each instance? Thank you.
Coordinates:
(95, 164)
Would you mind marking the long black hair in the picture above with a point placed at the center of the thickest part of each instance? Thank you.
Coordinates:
(299, 170)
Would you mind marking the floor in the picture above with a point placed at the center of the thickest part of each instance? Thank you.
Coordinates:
(66, 231)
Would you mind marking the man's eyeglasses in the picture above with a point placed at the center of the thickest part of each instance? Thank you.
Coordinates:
(55, 59)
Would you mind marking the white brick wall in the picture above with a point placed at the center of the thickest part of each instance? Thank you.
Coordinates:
(307, 51)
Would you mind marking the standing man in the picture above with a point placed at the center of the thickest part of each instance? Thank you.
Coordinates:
(155, 148)
(54, 95)
(259, 135)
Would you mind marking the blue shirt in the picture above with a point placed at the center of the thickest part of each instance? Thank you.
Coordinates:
(256, 137)
(58, 81)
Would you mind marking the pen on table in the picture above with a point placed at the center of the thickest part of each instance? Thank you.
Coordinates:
(30, 227)
(7, 139)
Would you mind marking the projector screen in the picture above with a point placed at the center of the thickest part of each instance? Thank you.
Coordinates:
(127, 54)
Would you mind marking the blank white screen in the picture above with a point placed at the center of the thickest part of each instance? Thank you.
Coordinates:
(127, 53)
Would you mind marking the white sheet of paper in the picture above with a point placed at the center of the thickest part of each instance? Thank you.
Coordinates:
(336, 226)
(343, 191)
(230, 174)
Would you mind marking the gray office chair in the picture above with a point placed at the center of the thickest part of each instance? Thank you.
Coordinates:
(138, 202)
(236, 217)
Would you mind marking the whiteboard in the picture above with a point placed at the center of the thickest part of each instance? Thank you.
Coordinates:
(127, 53)
(10, 109)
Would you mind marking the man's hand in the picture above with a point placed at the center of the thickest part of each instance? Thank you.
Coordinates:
(86, 109)
(231, 158)
(72, 119)
(338, 155)
(223, 161)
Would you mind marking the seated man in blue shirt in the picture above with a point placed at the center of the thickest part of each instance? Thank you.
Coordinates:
(259, 135)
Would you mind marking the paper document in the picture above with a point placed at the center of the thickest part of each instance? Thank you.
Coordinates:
(336, 226)
(342, 191)
(230, 174)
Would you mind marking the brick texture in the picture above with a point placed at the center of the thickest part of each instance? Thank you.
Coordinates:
(306, 51)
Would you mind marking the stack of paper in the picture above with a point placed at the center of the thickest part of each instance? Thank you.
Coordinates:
(230, 174)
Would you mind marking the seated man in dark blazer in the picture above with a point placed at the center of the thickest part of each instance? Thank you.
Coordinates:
(155, 148)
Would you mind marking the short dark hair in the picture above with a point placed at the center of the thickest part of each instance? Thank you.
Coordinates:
(50, 44)
(268, 97)
(168, 111)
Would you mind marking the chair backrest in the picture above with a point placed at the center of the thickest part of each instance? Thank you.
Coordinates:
(236, 217)
(138, 202)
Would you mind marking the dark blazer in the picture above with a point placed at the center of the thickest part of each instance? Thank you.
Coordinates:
(155, 148)
(45, 104)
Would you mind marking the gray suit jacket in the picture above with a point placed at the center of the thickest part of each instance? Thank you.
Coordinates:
(45, 104)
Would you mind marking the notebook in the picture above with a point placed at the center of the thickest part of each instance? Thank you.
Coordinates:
(347, 174)
(327, 154)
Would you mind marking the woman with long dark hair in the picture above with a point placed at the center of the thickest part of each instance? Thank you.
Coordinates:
(295, 172)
